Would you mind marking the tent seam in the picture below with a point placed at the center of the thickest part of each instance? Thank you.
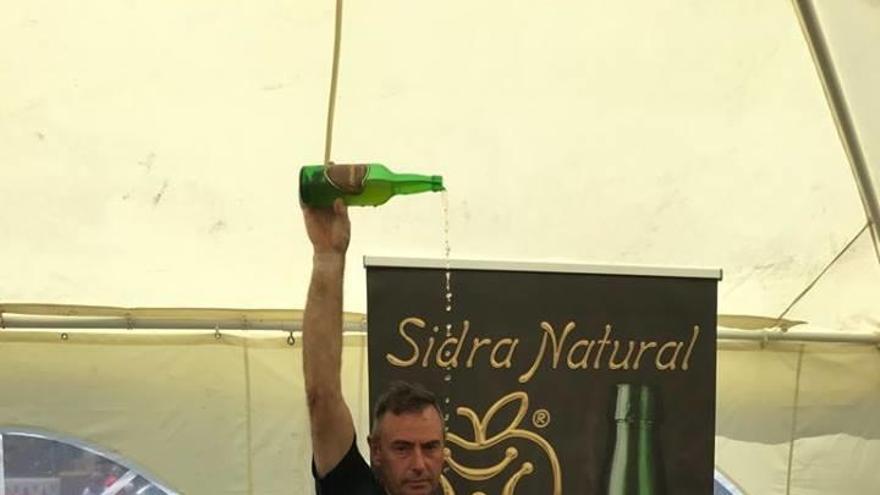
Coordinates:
(794, 411)
(248, 422)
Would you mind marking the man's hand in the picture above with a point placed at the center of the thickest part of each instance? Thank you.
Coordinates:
(329, 228)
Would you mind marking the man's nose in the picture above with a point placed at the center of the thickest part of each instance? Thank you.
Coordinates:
(419, 462)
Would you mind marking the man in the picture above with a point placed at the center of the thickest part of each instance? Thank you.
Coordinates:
(406, 444)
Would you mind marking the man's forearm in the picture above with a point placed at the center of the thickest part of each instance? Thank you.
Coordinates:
(322, 326)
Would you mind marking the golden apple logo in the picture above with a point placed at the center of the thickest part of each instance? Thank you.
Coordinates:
(481, 441)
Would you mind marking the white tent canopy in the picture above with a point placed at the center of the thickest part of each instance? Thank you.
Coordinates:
(150, 150)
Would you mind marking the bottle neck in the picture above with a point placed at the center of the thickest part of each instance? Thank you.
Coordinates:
(628, 430)
(427, 182)
(633, 469)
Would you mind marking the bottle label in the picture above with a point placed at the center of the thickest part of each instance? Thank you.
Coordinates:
(349, 179)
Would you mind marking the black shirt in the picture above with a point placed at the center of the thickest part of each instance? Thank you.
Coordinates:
(352, 476)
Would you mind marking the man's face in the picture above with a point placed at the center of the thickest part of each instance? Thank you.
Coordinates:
(407, 452)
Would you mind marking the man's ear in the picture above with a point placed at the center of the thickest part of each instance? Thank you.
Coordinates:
(373, 441)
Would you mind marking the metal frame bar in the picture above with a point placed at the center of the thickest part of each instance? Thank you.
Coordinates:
(846, 127)
(121, 483)
(525, 266)
(2, 467)
(74, 323)
(354, 324)
(800, 336)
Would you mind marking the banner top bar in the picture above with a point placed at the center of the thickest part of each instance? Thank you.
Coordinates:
(526, 266)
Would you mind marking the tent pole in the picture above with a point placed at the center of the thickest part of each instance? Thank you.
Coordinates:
(799, 336)
(154, 323)
(2, 468)
(354, 325)
(846, 128)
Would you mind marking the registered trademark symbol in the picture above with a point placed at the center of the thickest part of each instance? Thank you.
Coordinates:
(541, 418)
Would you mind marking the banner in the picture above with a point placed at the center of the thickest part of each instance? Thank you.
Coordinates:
(555, 379)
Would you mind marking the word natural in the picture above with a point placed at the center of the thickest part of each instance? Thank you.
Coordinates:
(557, 348)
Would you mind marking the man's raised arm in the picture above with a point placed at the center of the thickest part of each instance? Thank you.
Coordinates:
(331, 424)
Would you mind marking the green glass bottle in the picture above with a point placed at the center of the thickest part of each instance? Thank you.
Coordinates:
(359, 185)
(634, 462)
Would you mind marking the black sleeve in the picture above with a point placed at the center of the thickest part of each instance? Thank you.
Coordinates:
(352, 476)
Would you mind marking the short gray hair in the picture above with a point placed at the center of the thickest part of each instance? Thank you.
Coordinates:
(403, 397)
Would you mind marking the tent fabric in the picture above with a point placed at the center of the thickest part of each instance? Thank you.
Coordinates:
(793, 401)
(149, 153)
(711, 141)
(195, 413)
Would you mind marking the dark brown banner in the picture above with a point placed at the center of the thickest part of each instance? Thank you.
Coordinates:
(552, 382)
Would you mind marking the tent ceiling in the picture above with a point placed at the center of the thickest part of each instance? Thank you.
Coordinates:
(150, 150)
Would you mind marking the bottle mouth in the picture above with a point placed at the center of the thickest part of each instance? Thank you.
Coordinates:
(437, 183)
(303, 191)
(635, 402)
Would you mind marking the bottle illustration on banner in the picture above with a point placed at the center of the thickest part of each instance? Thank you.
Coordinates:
(635, 461)
(360, 185)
